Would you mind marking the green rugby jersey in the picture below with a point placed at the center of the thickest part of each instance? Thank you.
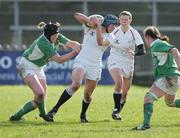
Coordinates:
(41, 50)
(163, 61)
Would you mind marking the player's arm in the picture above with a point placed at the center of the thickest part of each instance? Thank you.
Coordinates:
(83, 19)
(74, 45)
(101, 40)
(176, 55)
(60, 59)
(69, 43)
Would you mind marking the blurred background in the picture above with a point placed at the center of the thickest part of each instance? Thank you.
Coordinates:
(18, 20)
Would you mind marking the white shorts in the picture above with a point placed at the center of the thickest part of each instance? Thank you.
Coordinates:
(27, 68)
(127, 70)
(91, 73)
(169, 85)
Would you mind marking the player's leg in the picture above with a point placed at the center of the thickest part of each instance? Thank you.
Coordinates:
(88, 90)
(126, 86)
(172, 101)
(33, 82)
(77, 76)
(42, 105)
(118, 80)
(172, 85)
(153, 95)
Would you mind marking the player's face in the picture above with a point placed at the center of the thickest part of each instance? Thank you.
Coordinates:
(147, 41)
(125, 20)
(111, 27)
(54, 38)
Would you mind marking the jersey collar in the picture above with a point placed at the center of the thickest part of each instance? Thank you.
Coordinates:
(152, 43)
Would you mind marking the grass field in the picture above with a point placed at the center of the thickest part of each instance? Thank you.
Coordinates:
(165, 121)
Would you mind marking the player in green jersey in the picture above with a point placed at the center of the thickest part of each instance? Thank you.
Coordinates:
(166, 62)
(42, 50)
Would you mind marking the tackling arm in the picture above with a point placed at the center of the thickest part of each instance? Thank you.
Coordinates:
(60, 59)
(176, 55)
(74, 45)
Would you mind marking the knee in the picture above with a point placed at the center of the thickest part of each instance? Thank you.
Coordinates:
(150, 97)
(75, 86)
(87, 98)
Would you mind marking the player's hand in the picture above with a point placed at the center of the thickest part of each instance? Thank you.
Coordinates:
(130, 52)
(95, 21)
(77, 47)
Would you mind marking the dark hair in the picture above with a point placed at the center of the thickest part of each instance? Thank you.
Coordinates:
(153, 32)
(110, 19)
(49, 29)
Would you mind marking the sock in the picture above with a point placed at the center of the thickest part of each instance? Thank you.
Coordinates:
(122, 105)
(84, 107)
(117, 100)
(26, 109)
(63, 98)
(177, 103)
(42, 108)
(148, 110)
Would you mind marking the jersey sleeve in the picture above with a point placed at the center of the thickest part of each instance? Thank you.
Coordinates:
(110, 38)
(162, 47)
(138, 38)
(62, 39)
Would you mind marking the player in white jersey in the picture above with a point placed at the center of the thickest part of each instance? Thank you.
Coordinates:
(88, 63)
(121, 60)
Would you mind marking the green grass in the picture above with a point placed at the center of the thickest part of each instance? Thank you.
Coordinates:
(165, 121)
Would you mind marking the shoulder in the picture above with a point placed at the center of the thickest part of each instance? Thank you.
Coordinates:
(133, 30)
(161, 46)
(116, 30)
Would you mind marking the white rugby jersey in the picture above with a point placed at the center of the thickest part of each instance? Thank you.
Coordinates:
(91, 53)
(124, 43)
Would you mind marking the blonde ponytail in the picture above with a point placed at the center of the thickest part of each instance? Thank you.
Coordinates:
(58, 24)
(41, 25)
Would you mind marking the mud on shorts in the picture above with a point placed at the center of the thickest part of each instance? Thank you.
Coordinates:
(169, 85)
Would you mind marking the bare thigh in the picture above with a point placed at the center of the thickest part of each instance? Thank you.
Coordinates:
(118, 78)
(77, 77)
(34, 83)
(156, 91)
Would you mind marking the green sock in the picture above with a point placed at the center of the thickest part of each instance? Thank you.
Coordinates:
(41, 108)
(26, 109)
(177, 103)
(148, 110)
